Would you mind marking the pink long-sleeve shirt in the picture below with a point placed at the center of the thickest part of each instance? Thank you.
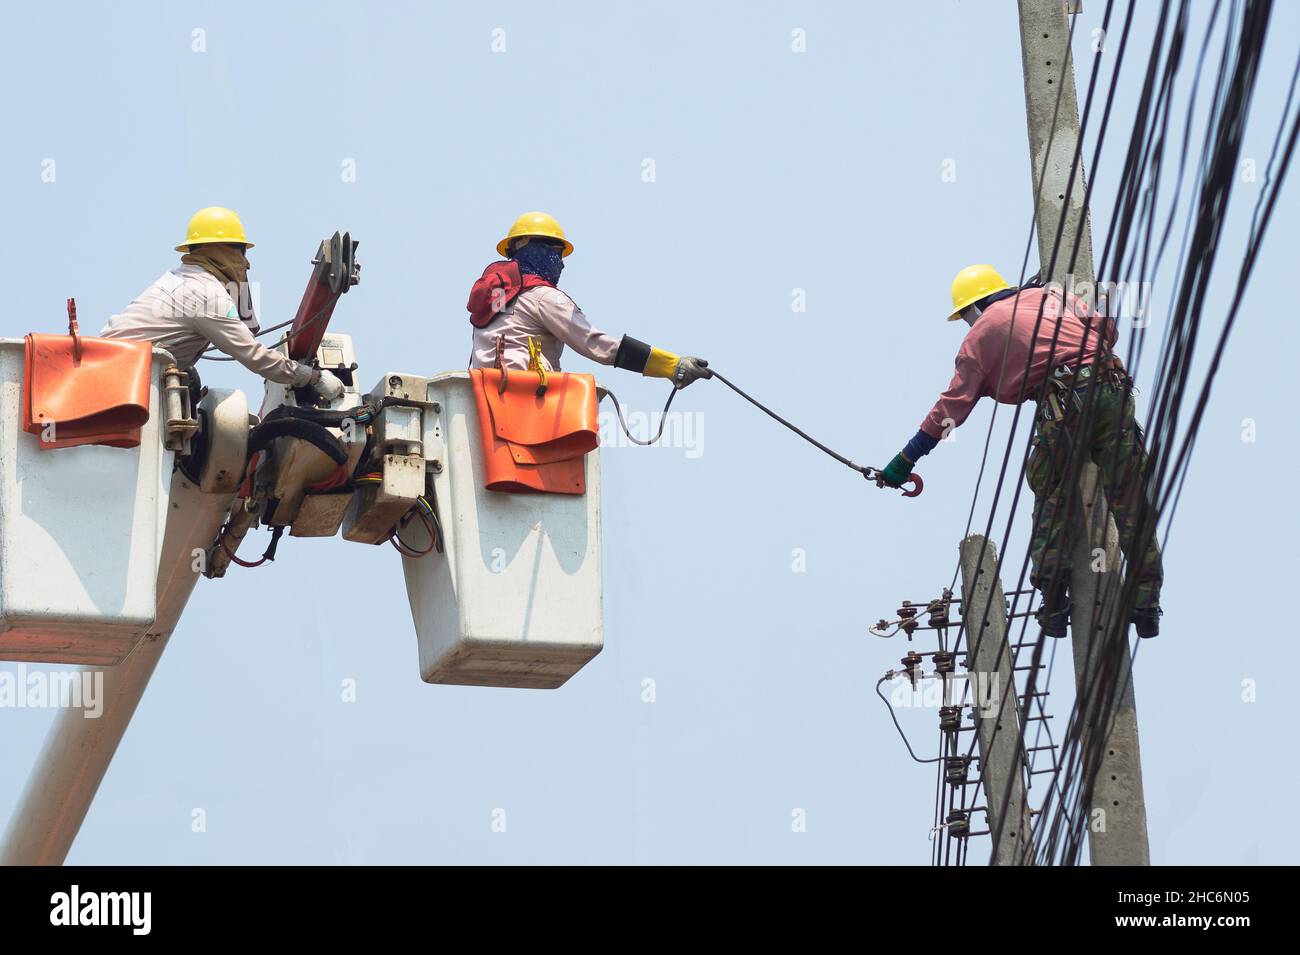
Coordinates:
(988, 367)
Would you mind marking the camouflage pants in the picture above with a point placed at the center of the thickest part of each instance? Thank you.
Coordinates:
(1111, 438)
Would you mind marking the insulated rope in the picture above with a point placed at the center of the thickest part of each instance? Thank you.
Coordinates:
(663, 418)
(867, 472)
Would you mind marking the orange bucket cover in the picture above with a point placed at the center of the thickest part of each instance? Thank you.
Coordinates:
(101, 398)
(533, 443)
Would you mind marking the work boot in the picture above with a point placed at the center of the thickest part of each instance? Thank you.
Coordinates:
(1054, 613)
(1146, 620)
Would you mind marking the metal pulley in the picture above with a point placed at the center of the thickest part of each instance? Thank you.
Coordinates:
(342, 268)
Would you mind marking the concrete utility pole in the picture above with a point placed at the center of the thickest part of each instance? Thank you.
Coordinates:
(1117, 836)
(997, 709)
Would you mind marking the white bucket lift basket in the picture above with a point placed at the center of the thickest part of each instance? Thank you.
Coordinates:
(81, 532)
(515, 599)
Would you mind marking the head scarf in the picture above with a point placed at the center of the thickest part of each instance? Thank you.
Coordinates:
(540, 258)
(227, 262)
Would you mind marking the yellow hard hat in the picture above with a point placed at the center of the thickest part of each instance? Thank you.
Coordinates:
(214, 224)
(972, 284)
(534, 224)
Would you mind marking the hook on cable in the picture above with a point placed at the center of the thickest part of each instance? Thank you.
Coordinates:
(914, 479)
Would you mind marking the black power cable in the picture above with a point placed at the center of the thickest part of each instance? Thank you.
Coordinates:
(1060, 829)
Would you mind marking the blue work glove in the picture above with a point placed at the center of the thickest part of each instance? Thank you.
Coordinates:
(896, 471)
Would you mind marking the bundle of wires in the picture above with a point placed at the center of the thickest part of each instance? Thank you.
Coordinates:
(423, 509)
(1130, 259)
(429, 517)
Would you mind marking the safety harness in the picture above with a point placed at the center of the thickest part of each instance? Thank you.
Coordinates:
(1060, 392)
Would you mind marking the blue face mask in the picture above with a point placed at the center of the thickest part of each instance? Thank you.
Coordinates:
(542, 259)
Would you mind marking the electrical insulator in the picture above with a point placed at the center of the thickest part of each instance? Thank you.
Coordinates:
(912, 666)
(907, 618)
(949, 718)
(958, 824)
(955, 769)
(938, 614)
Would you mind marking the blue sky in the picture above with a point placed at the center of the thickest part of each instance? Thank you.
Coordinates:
(774, 171)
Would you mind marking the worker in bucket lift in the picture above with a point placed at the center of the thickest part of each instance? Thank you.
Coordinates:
(205, 301)
(517, 303)
(991, 363)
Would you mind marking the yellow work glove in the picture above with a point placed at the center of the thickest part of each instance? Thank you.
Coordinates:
(682, 370)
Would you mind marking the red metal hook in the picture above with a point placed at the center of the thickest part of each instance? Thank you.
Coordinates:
(914, 479)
